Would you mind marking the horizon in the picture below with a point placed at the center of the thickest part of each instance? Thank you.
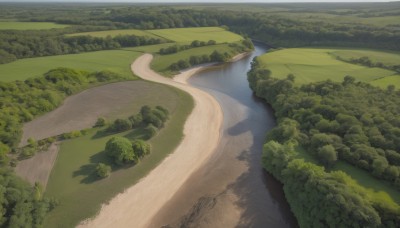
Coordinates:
(198, 1)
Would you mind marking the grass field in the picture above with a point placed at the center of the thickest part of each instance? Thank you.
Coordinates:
(114, 60)
(79, 194)
(6, 25)
(310, 65)
(387, 58)
(113, 33)
(187, 35)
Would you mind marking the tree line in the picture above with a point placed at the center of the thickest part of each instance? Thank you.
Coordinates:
(349, 121)
(274, 30)
(26, 44)
(215, 57)
(177, 48)
(277, 30)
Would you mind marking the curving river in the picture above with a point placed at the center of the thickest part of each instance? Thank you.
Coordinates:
(231, 189)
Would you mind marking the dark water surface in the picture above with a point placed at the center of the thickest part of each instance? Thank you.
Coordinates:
(231, 189)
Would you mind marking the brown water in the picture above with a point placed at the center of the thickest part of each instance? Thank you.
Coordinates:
(232, 189)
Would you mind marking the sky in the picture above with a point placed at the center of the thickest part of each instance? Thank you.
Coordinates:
(197, 1)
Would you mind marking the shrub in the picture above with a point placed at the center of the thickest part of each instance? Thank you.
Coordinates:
(100, 122)
(149, 132)
(140, 147)
(120, 125)
(120, 149)
(103, 170)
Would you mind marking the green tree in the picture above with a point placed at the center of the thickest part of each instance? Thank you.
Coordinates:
(120, 149)
(100, 122)
(140, 148)
(327, 155)
(103, 170)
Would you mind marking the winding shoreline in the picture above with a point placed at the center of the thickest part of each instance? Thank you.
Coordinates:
(141, 202)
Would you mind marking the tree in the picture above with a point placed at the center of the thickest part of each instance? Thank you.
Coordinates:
(103, 170)
(120, 149)
(379, 165)
(100, 122)
(327, 155)
(120, 125)
(140, 147)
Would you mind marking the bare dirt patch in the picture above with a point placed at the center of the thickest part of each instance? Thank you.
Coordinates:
(38, 168)
(81, 111)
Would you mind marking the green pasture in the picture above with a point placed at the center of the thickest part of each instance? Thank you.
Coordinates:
(114, 60)
(312, 64)
(114, 33)
(80, 193)
(14, 25)
(387, 58)
(187, 35)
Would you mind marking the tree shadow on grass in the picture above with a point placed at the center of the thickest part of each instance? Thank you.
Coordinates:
(102, 133)
(89, 170)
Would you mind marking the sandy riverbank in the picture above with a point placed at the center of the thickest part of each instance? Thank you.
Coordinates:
(137, 205)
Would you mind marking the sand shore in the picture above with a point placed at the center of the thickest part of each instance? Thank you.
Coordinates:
(137, 205)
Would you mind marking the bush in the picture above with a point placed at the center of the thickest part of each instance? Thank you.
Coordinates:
(103, 170)
(120, 125)
(72, 134)
(100, 122)
(120, 149)
(136, 120)
(140, 147)
(149, 132)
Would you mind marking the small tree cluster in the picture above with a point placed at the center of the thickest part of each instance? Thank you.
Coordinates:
(123, 151)
(147, 116)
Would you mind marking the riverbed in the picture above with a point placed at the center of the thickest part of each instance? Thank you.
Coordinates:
(231, 189)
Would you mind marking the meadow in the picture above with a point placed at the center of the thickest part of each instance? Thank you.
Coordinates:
(313, 64)
(117, 61)
(14, 25)
(187, 35)
(114, 33)
(77, 190)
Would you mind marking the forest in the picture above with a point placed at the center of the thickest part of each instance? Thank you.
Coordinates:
(270, 27)
(330, 121)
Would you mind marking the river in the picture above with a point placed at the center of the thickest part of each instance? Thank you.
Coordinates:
(232, 189)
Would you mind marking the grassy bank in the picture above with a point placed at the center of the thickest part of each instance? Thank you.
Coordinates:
(79, 195)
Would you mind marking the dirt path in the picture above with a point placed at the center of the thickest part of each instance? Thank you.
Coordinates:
(38, 168)
(138, 204)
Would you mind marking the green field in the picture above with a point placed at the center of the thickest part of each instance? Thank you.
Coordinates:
(187, 35)
(387, 58)
(14, 25)
(79, 195)
(310, 65)
(114, 60)
(114, 33)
